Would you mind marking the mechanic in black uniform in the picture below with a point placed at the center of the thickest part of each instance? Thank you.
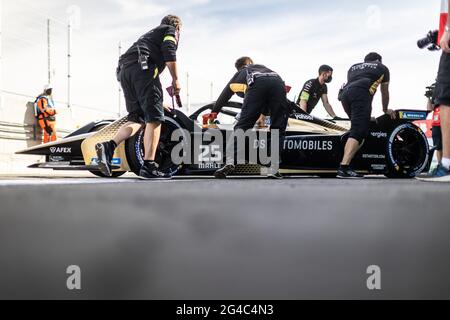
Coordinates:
(138, 72)
(315, 90)
(356, 97)
(263, 90)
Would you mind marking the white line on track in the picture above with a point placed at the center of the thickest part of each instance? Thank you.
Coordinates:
(41, 182)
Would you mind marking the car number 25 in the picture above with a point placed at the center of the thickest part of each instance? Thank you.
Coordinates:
(210, 153)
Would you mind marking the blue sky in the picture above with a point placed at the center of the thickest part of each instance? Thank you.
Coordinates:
(292, 37)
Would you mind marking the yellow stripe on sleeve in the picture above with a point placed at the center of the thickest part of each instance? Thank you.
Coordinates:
(170, 38)
(304, 96)
(238, 87)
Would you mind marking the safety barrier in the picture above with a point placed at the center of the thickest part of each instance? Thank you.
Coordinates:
(24, 132)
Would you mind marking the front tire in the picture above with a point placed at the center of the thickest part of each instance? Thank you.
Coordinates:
(134, 148)
(407, 152)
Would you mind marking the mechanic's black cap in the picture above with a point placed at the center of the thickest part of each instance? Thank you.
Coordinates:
(325, 68)
(372, 57)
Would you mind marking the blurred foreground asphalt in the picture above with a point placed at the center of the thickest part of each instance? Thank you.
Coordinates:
(299, 238)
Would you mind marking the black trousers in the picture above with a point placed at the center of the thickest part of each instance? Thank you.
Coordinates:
(357, 103)
(266, 95)
(442, 91)
(143, 93)
(437, 137)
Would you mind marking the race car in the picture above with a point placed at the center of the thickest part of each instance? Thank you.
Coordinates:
(312, 146)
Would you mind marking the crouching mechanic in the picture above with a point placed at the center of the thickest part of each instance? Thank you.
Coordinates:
(263, 90)
(138, 72)
(315, 90)
(356, 97)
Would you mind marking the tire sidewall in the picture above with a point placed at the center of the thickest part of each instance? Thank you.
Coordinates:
(394, 168)
(134, 149)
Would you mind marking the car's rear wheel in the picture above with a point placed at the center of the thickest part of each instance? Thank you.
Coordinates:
(115, 174)
(407, 154)
(134, 148)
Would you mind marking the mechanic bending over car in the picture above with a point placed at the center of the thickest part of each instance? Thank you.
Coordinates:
(356, 97)
(138, 72)
(263, 90)
(315, 90)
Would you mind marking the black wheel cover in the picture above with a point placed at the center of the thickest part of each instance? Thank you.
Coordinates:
(134, 148)
(407, 151)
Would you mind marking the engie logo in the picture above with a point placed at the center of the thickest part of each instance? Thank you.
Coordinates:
(60, 150)
(379, 135)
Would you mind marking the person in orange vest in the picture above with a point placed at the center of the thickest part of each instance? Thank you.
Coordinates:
(45, 114)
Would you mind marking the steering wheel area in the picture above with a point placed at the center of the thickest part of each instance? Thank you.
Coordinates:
(224, 111)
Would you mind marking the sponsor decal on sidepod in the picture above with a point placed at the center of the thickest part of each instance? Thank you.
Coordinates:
(60, 150)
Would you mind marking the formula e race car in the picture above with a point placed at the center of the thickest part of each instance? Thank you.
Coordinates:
(312, 146)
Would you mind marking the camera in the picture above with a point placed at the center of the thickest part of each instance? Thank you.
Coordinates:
(429, 41)
(429, 93)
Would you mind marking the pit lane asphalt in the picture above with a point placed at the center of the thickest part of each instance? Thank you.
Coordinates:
(301, 238)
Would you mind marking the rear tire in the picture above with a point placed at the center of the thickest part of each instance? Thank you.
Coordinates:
(407, 152)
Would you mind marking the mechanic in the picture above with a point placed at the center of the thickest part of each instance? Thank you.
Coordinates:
(315, 90)
(442, 94)
(138, 72)
(436, 124)
(356, 97)
(263, 90)
(44, 111)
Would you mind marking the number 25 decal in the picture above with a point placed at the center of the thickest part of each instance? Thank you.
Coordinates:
(210, 153)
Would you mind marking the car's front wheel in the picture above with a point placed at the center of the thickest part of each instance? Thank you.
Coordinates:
(134, 148)
(407, 152)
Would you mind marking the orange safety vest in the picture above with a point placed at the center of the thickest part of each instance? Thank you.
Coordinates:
(43, 109)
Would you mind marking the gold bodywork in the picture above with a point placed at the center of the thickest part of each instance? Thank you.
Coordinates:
(106, 134)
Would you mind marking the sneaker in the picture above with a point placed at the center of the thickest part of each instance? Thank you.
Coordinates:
(225, 171)
(440, 172)
(348, 173)
(273, 174)
(151, 172)
(276, 176)
(105, 153)
(432, 172)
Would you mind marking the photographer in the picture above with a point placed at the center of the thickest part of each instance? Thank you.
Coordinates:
(443, 97)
